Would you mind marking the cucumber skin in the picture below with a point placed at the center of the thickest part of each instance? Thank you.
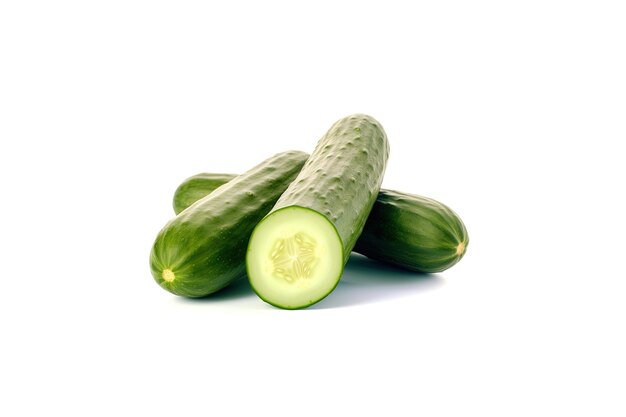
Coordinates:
(342, 177)
(406, 230)
(196, 187)
(205, 245)
(413, 232)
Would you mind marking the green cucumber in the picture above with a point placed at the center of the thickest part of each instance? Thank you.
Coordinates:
(296, 254)
(413, 232)
(203, 249)
(406, 230)
(196, 187)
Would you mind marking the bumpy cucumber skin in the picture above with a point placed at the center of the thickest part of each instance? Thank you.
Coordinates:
(340, 181)
(196, 187)
(406, 230)
(342, 177)
(205, 245)
(414, 232)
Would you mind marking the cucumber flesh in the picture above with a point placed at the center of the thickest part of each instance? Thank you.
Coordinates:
(295, 257)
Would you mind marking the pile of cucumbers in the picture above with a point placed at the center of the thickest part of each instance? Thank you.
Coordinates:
(290, 222)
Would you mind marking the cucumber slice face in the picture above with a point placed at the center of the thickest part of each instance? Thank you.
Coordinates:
(295, 258)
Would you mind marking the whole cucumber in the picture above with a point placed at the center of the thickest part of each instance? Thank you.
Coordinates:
(203, 249)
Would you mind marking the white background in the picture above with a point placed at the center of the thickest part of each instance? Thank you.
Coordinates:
(511, 113)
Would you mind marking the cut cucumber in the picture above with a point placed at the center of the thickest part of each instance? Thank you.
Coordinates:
(203, 249)
(296, 254)
(295, 258)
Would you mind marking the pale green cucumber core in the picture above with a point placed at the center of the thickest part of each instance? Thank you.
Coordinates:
(295, 257)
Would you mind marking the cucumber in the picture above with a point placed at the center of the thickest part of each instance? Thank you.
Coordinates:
(406, 230)
(296, 254)
(413, 232)
(203, 249)
(196, 187)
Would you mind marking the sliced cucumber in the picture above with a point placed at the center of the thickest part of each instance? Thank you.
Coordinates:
(296, 254)
(295, 257)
